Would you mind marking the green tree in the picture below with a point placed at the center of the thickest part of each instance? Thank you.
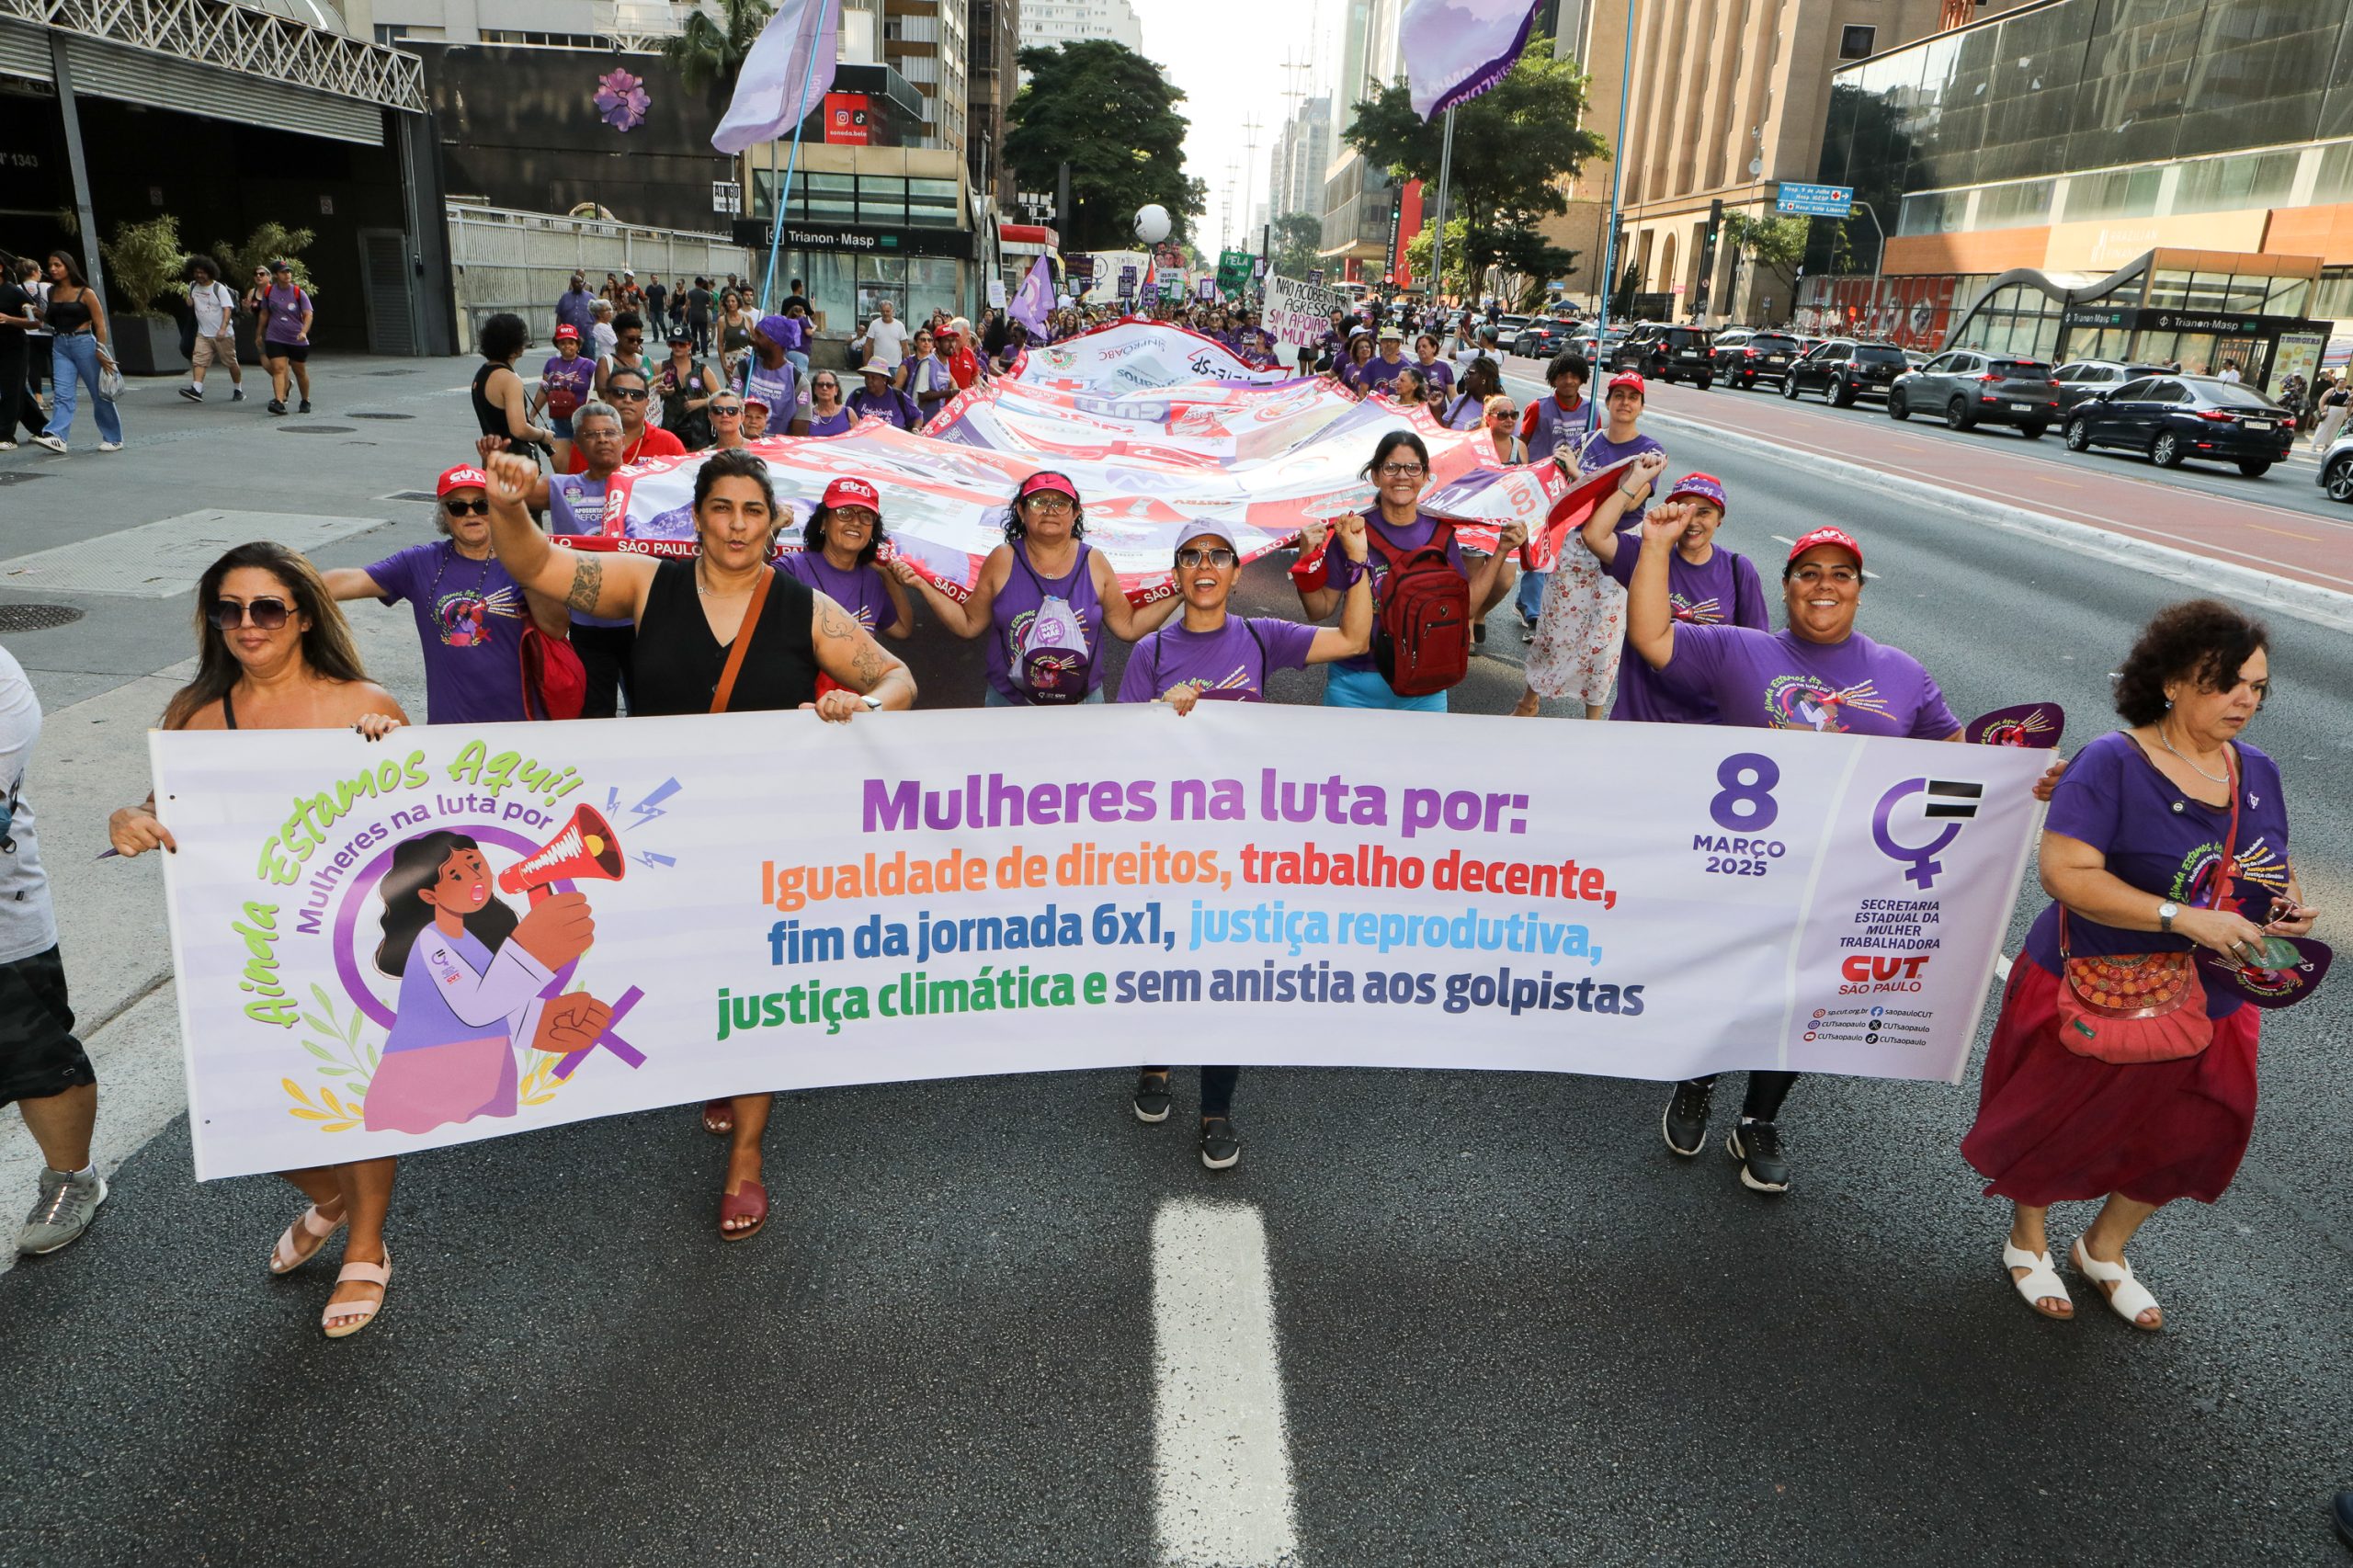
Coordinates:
(144, 261)
(1513, 148)
(1297, 239)
(1111, 115)
(1776, 245)
(709, 53)
(269, 242)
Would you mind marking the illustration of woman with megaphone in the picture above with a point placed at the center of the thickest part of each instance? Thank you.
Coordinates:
(472, 975)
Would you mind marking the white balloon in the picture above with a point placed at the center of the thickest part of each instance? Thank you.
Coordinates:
(1152, 224)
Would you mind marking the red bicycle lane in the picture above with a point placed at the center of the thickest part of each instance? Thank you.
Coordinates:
(1990, 466)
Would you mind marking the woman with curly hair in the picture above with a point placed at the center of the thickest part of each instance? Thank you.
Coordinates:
(840, 555)
(2169, 836)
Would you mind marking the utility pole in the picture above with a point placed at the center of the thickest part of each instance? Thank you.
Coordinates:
(1249, 172)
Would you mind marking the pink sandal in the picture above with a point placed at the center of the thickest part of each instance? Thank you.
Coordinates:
(358, 1314)
(750, 1203)
(303, 1239)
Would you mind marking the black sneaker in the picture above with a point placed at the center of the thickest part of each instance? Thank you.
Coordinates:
(1757, 1146)
(1685, 1121)
(1220, 1148)
(306, 406)
(1479, 632)
(1151, 1097)
(276, 406)
(192, 394)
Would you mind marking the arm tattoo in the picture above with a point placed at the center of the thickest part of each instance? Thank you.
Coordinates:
(832, 620)
(870, 665)
(588, 583)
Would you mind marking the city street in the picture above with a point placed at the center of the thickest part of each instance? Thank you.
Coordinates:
(1474, 1318)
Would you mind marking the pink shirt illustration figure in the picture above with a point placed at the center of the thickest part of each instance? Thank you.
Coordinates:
(471, 981)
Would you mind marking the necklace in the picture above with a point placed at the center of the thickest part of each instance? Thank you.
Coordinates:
(2222, 777)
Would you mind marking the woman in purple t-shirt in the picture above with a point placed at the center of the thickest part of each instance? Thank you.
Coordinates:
(2132, 851)
(1229, 658)
(826, 415)
(286, 335)
(1043, 579)
(839, 554)
(1579, 630)
(1821, 675)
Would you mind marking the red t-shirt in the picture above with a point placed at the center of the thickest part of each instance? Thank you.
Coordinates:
(655, 442)
(963, 368)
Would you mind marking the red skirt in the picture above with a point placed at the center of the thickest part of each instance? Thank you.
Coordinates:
(2053, 1126)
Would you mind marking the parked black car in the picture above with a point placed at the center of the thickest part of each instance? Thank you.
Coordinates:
(1756, 358)
(1541, 338)
(1972, 387)
(1667, 354)
(1843, 369)
(2087, 378)
(2174, 418)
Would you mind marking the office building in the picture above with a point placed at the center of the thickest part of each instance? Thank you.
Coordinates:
(994, 30)
(1360, 207)
(1050, 24)
(1295, 166)
(2086, 179)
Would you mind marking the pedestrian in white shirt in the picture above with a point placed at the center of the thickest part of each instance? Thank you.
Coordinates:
(215, 304)
(602, 336)
(2230, 371)
(886, 336)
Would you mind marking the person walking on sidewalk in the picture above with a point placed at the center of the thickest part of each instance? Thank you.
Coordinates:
(216, 329)
(286, 336)
(78, 319)
(43, 1067)
(19, 316)
(273, 652)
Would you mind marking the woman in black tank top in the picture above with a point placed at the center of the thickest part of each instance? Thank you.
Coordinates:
(691, 618)
(502, 404)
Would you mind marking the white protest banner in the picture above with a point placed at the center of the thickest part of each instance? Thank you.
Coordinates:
(1299, 313)
(366, 967)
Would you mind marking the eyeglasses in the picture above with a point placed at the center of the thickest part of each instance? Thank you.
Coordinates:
(726, 411)
(466, 508)
(1403, 471)
(1048, 502)
(267, 615)
(620, 394)
(1190, 558)
(1844, 576)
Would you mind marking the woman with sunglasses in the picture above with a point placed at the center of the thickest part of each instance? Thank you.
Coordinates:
(684, 388)
(1209, 654)
(1043, 562)
(469, 613)
(1400, 472)
(273, 652)
(687, 616)
(826, 415)
(839, 554)
(1467, 409)
(726, 411)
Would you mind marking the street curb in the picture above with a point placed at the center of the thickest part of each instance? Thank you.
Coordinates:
(2305, 601)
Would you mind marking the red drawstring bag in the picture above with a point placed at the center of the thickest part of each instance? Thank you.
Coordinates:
(555, 683)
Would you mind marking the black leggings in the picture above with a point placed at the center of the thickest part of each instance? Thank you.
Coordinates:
(605, 658)
(1766, 1090)
(1217, 1088)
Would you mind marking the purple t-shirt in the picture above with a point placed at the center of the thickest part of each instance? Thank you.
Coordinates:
(1766, 680)
(1380, 372)
(1544, 425)
(860, 590)
(1724, 591)
(1229, 664)
(2161, 841)
(470, 617)
(890, 404)
(286, 307)
(1464, 412)
(576, 506)
(1342, 572)
(1016, 604)
(1597, 452)
(576, 375)
(833, 424)
(1439, 374)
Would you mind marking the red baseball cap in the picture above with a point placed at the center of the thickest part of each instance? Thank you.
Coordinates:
(465, 476)
(567, 334)
(1626, 379)
(1838, 536)
(1700, 487)
(846, 492)
(1038, 483)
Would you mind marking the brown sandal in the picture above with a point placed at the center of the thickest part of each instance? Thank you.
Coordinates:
(751, 1203)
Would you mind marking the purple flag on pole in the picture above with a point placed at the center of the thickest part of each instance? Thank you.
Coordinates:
(1035, 297)
(785, 76)
(1455, 49)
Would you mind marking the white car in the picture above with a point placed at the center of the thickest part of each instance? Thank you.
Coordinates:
(2334, 475)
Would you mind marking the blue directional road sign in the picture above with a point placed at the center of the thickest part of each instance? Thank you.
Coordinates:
(1816, 200)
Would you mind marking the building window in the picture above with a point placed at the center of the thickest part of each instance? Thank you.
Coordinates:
(2224, 184)
(1855, 43)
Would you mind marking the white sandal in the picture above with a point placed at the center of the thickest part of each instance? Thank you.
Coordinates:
(2130, 1298)
(2042, 1284)
(359, 1315)
(300, 1241)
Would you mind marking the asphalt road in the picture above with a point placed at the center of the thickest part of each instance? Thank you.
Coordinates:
(1510, 1327)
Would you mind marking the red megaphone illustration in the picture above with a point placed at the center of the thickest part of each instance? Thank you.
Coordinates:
(585, 848)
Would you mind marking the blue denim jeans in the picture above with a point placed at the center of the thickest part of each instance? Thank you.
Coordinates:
(1530, 598)
(77, 357)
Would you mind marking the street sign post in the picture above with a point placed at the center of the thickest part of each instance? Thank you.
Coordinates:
(1815, 200)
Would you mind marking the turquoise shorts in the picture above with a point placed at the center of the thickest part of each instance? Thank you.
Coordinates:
(1346, 687)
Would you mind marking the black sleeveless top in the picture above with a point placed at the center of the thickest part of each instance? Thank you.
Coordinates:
(676, 663)
(490, 415)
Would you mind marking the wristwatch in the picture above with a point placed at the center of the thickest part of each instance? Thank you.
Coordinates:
(2165, 911)
(875, 705)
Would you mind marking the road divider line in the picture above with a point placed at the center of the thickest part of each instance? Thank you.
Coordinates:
(1221, 1459)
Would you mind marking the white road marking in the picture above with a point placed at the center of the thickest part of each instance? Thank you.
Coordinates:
(1223, 1463)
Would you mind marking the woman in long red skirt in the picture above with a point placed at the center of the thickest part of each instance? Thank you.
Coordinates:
(2132, 851)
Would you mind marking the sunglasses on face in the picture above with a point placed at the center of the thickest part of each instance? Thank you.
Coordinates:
(267, 615)
(726, 411)
(466, 508)
(1190, 559)
(622, 394)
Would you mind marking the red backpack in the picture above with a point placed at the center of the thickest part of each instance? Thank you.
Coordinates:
(1421, 638)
